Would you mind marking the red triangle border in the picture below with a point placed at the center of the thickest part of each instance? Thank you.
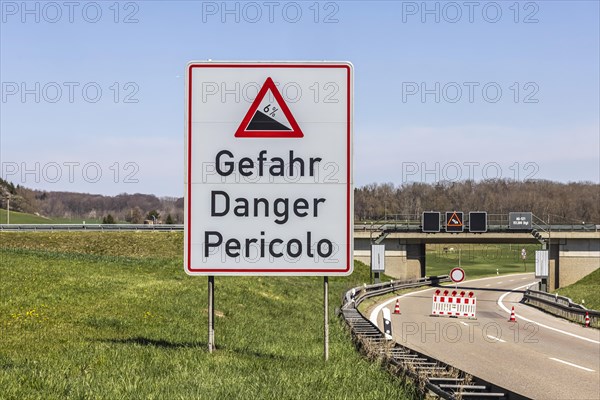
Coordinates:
(296, 132)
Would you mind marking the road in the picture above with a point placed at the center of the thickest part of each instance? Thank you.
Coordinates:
(540, 356)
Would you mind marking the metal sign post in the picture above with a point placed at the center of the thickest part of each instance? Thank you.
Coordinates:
(211, 313)
(326, 316)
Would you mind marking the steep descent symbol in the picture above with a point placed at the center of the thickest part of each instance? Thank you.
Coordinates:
(269, 119)
(454, 220)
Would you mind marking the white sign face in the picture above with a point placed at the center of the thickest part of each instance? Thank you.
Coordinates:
(457, 275)
(541, 263)
(269, 186)
(378, 258)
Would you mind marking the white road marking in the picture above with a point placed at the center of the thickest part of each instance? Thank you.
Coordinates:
(523, 279)
(571, 364)
(464, 323)
(488, 285)
(495, 338)
(537, 323)
(500, 282)
(376, 310)
(511, 280)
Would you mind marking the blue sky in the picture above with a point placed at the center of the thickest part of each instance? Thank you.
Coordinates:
(543, 56)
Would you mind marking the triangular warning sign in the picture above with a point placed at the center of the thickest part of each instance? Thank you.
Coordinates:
(269, 119)
(454, 220)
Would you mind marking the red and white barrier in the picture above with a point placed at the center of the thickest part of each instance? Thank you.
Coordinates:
(454, 306)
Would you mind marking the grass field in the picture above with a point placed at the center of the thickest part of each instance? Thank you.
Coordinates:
(586, 289)
(23, 218)
(113, 315)
(480, 260)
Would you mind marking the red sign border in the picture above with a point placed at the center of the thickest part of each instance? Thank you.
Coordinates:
(457, 269)
(259, 271)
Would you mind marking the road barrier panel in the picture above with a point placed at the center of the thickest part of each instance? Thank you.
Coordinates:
(454, 306)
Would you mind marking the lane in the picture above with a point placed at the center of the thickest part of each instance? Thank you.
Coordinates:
(521, 356)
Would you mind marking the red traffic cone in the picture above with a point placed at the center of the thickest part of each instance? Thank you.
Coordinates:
(397, 308)
(512, 315)
(587, 319)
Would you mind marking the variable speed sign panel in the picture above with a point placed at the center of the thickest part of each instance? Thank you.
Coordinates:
(269, 168)
(430, 222)
(478, 221)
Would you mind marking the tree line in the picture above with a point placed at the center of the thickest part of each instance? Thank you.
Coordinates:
(573, 202)
(131, 208)
(567, 203)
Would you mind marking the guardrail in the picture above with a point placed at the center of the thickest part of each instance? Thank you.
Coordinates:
(429, 374)
(89, 227)
(402, 226)
(561, 306)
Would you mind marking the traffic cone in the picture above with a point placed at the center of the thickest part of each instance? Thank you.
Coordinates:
(512, 315)
(587, 319)
(397, 308)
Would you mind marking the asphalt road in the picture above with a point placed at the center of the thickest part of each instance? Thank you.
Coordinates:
(539, 356)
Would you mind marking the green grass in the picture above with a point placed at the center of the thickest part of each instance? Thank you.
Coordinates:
(584, 289)
(113, 315)
(23, 218)
(480, 260)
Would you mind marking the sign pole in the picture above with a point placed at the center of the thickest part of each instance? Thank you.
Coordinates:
(326, 316)
(211, 313)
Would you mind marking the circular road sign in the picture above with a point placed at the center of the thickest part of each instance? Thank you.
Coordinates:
(457, 275)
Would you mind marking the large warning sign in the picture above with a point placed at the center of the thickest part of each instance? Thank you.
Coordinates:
(268, 169)
(454, 221)
(269, 118)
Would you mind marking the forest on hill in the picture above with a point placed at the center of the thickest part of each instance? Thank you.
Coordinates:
(568, 203)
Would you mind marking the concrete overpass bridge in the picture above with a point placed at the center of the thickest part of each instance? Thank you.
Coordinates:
(574, 250)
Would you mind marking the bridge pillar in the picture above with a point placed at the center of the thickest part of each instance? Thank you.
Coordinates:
(553, 267)
(403, 260)
(575, 258)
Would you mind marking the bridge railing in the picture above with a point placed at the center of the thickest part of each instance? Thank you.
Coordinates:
(496, 222)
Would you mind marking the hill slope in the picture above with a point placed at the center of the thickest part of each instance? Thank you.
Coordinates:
(23, 218)
(585, 289)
